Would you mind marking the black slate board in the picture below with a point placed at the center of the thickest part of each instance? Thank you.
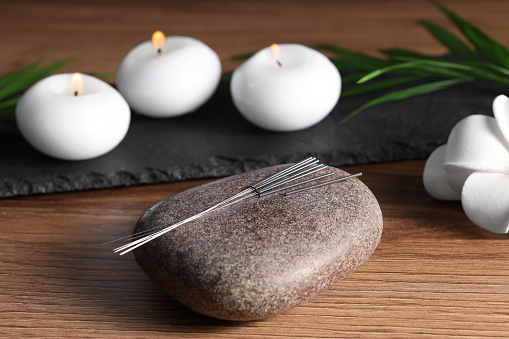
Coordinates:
(217, 141)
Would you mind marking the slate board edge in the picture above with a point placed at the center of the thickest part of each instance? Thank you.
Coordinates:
(214, 167)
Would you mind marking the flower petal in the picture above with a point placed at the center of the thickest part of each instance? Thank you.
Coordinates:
(435, 179)
(485, 199)
(501, 112)
(475, 144)
(457, 176)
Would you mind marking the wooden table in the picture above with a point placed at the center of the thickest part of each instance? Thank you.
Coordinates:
(433, 274)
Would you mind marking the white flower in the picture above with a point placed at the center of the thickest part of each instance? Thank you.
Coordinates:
(474, 166)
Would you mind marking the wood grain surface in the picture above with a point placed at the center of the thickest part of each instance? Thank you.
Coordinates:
(434, 273)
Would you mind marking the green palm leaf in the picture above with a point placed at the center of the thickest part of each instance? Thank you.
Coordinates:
(9, 104)
(440, 68)
(407, 93)
(378, 86)
(457, 47)
(395, 53)
(7, 78)
(487, 46)
(11, 85)
(355, 60)
(432, 68)
(19, 84)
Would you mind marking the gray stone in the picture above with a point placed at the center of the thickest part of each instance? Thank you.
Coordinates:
(264, 256)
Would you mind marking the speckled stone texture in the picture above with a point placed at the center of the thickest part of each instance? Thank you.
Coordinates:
(263, 256)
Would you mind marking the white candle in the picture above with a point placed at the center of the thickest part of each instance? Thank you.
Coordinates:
(168, 76)
(286, 92)
(73, 117)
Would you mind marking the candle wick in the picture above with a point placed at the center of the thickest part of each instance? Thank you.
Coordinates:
(279, 64)
(159, 51)
(75, 93)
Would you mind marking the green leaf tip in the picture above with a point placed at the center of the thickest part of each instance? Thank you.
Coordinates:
(455, 46)
(492, 50)
(13, 84)
(26, 77)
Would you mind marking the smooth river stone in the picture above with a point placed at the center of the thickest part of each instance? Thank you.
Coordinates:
(262, 257)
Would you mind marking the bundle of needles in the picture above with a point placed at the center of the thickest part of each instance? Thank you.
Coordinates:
(294, 177)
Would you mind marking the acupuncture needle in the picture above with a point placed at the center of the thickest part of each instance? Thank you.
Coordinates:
(261, 195)
(269, 185)
(268, 180)
(322, 184)
(137, 243)
(311, 161)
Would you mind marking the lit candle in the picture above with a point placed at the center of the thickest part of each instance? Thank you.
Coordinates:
(286, 88)
(168, 76)
(73, 116)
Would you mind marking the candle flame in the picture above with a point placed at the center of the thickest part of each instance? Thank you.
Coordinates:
(158, 42)
(76, 84)
(275, 54)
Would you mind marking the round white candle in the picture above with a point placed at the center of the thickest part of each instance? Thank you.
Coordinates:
(73, 121)
(176, 81)
(286, 93)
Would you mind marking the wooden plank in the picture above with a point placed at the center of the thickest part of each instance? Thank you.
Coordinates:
(433, 274)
